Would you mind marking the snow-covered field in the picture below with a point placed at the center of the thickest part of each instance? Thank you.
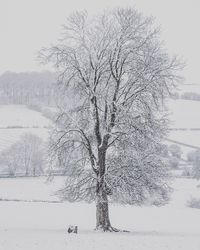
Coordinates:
(32, 218)
(17, 120)
(42, 226)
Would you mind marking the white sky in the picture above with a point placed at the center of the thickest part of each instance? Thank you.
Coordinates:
(28, 25)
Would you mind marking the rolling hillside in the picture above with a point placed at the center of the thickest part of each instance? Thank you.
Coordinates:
(16, 120)
(184, 118)
(185, 122)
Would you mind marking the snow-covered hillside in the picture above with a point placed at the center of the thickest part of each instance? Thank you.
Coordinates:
(43, 226)
(21, 116)
(184, 114)
(194, 88)
(184, 122)
(17, 120)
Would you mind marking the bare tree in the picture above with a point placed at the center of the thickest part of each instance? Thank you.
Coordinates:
(25, 157)
(32, 154)
(175, 150)
(114, 76)
(10, 160)
(194, 159)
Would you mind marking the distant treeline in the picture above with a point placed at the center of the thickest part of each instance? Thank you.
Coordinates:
(191, 96)
(187, 96)
(28, 88)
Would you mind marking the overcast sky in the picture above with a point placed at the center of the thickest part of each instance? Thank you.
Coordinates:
(28, 25)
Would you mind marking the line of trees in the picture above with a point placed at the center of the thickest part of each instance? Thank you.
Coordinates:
(28, 88)
(190, 96)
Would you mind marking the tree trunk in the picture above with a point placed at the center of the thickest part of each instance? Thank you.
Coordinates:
(102, 211)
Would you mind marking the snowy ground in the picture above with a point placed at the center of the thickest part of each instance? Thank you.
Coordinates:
(42, 226)
(29, 223)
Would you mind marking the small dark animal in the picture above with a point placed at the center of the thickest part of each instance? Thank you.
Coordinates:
(72, 229)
